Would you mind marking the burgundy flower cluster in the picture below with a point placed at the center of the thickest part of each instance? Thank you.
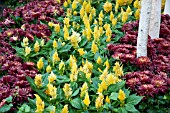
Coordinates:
(29, 31)
(13, 71)
(146, 83)
(37, 10)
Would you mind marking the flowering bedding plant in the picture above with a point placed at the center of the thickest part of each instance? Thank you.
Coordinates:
(64, 49)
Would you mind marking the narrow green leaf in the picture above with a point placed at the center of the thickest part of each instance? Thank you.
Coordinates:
(76, 103)
(76, 92)
(113, 96)
(131, 108)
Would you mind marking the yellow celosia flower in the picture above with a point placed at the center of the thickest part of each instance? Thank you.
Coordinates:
(38, 80)
(95, 22)
(108, 32)
(100, 89)
(67, 90)
(99, 60)
(124, 17)
(86, 100)
(69, 1)
(116, 7)
(55, 57)
(107, 64)
(90, 17)
(106, 26)
(69, 12)
(124, 2)
(36, 46)
(136, 4)
(42, 42)
(55, 44)
(93, 12)
(96, 34)
(88, 33)
(48, 69)
(94, 47)
(51, 24)
(74, 72)
(62, 66)
(39, 104)
(101, 14)
(25, 41)
(99, 101)
(108, 39)
(67, 22)
(84, 3)
(128, 10)
(81, 51)
(137, 14)
(101, 30)
(82, 12)
(75, 13)
(121, 95)
(65, 109)
(40, 63)
(74, 5)
(84, 89)
(118, 69)
(107, 7)
(103, 76)
(111, 79)
(72, 60)
(111, 16)
(27, 50)
(104, 85)
(51, 91)
(51, 77)
(66, 34)
(65, 4)
(57, 28)
(107, 99)
(88, 8)
(114, 21)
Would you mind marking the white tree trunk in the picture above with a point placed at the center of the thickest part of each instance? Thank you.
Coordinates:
(155, 19)
(143, 30)
(167, 7)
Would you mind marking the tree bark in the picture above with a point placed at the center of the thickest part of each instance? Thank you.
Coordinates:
(155, 19)
(167, 7)
(143, 30)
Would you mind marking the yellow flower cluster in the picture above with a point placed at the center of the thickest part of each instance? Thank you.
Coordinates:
(39, 104)
(67, 90)
(107, 7)
(124, 2)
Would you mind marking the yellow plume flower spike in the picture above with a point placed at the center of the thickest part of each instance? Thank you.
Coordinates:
(111, 79)
(100, 89)
(38, 80)
(94, 48)
(40, 63)
(101, 30)
(48, 69)
(128, 10)
(118, 69)
(84, 3)
(121, 95)
(124, 17)
(114, 21)
(103, 76)
(57, 28)
(65, 4)
(104, 85)
(42, 42)
(108, 39)
(107, 7)
(81, 51)
(36, 46)
(107, 64)
(136, 4)
(55, 44)
(88, 8)
(62, 66)
(99, 60)
(69, 1)
(116, 7)
(99, 101)
(25, 41)
(137, 14)
(82, 12)
(67, 90)
(74, 5)
(101, 14)
(84, 89)
(51, 24)
(27, 50)
(55, 57)
(65, 109)
(111, 16)
(107, 99)
(86, 100)
(39, 104)
(93, 12)
(51, 77)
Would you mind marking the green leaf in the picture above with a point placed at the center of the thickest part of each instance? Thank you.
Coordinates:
(76, 92)
(116, 87)
(65, 48)
(131, 108)
(9, 99)
(113, 96)
(122, 110)
(5, 108)
(133, 99)
(76, 103)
